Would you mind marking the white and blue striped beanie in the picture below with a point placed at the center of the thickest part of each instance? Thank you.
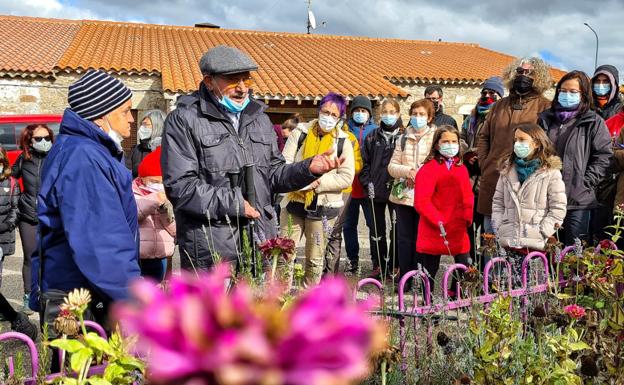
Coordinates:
(96, 94)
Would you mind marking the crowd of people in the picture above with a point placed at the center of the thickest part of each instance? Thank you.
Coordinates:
(523, 167)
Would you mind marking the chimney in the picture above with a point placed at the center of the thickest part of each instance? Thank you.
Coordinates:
(207, 25)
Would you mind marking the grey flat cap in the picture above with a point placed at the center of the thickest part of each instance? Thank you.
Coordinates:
(224, 60)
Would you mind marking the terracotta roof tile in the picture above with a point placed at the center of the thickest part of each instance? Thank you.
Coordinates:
(33, 45)
(294, 65)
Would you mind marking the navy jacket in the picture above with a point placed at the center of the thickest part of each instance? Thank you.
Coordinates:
(87, 215)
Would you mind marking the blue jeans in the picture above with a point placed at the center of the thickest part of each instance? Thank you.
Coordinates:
(350, 229)
(153, 268)
(576, 225)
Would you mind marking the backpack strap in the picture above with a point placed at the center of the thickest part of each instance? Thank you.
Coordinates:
(302, 139)
(341, 142)
(12, 181)
(403, 141)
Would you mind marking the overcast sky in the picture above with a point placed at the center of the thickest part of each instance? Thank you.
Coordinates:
(552, 29)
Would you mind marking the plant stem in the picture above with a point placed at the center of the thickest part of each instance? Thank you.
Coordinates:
(383, 372)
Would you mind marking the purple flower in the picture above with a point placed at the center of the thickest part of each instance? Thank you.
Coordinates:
(197, 332)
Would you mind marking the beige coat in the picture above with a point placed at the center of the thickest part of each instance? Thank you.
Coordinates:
(524, 215)
(332, 183)
(413, 157)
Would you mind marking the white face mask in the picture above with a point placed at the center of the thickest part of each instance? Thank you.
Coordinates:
(114, 135)
(144, 132)
(155, 187)
(327, 122)
(42, 146)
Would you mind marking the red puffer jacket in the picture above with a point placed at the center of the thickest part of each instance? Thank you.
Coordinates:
(443, 195)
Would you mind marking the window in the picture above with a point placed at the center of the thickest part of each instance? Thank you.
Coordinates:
(8, 141)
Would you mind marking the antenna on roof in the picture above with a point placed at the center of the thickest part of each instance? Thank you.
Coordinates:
(311, 18)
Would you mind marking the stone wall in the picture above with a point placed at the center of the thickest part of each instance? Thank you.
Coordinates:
(49, 96)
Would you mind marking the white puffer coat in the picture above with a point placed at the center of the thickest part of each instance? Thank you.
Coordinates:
(524, 215)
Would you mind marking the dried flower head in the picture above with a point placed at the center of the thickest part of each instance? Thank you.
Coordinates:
(371, 190)
(66, 323)
(539, 311)
(278, 247)
(442, 339)
(588, 366)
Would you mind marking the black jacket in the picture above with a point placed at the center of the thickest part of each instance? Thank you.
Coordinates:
(376, 154)
(441, 119)
(586, 157)
(138, 153)
(30, 172)
(8, 214)
(203, 159)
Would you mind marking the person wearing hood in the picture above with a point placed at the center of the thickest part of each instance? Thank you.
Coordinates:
(88, 230)
(435, 95)
(376, 154)
(410, 152)
(35, 142)
(150, 136)
(527, 79)
(491, 91)
(606, 90)
(361, 124)
(583, 143)
(311, 211)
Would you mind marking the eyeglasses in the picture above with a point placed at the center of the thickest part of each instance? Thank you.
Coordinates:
(524, 71)
(234, 80)
(40, 138)
(432, 99)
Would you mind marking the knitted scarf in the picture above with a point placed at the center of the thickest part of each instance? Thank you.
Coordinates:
(526, 168)
(312, 146)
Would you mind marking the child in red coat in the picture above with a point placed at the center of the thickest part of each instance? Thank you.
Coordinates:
(443, 197)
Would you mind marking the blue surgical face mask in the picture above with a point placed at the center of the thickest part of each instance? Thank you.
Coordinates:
(232, 106)
(449, 150)
(522, 149)
(569, 99)
(602, 89)
(418, 122)
(389, 120)
(360, 117)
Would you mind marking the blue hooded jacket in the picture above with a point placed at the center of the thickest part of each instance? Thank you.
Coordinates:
(87, 215)
(361, 130)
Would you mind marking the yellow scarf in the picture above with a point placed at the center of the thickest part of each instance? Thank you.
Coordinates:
(313, 145)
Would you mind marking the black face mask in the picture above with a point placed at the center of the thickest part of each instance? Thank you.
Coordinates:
(522, 84)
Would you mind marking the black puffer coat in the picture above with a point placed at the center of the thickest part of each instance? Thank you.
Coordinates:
(138, 153)
(30, 172)
(9, 196)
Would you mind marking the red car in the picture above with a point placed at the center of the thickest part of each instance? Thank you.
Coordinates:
(11, 127)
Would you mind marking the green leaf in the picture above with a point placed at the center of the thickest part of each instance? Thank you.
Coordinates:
(599, 305)
(578, 346)
(98, 381)
(113, 371)
(564, 296)
(70, 346)
(69, 381)
(80, 359)
(99, 343)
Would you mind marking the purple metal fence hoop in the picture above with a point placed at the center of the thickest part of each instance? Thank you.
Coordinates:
(34, 357)
(447, 274)
(97, 328)
(427, 293)
(525, 269)
(486, 273)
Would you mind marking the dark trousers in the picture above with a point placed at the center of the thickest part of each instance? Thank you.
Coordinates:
(350, 230)
(431, 263)
(406, 232)
(576, 225)
(379, 238)
(153, 268)
(601, 217)
(28, 235)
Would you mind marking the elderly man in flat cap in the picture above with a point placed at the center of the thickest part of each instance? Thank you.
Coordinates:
(221, 163)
